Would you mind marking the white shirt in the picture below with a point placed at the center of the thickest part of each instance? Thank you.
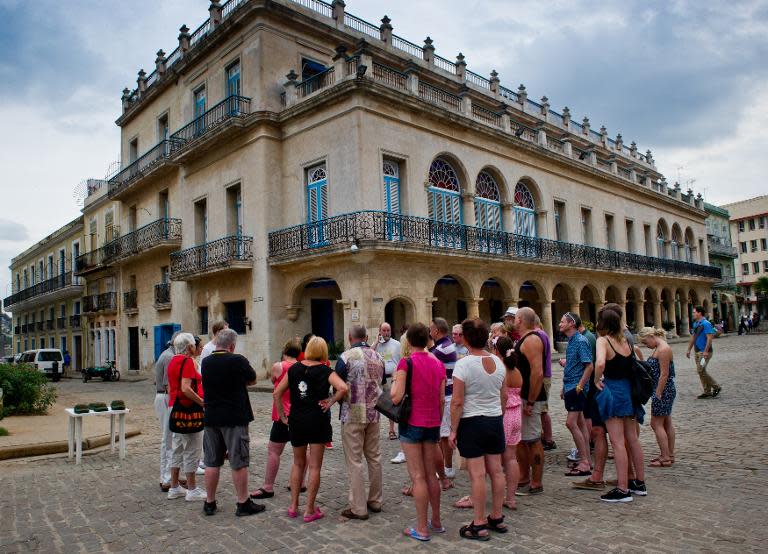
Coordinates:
(207, 349)
(482, 392)
(390, 353)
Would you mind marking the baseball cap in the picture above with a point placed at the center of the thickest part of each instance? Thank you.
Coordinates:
(511, 311)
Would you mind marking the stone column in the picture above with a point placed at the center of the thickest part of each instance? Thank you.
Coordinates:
(473, 306)
(671, 314)
(575, 307)
(657, 313)
(337, 7)
(468, 208)
(412, 82)
(346, 305)
(546, 319)
(508, 218)
(623, 305)
(685, 324)
(640, 314)
(425, 315)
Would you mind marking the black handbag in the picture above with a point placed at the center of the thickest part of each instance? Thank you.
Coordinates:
(185, 419)
(399, 413)
(642, 381)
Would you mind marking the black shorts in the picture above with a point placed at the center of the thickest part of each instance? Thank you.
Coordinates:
(279, 433)
(315, 431)
(575, 401)
(480, 435)
(591, 410)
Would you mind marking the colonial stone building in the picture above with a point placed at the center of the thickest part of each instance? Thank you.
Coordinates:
(722, 254)
(293, 168)
(47, 299)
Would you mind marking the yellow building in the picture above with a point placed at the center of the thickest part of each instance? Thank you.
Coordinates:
(292, 168)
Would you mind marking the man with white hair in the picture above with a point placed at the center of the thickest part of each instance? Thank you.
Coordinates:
(226, 377)
(389, 350)
(163, 412)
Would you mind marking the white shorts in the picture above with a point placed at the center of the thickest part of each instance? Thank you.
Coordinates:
(445, 424)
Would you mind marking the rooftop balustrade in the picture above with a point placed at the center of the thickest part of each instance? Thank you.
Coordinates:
(417, 233)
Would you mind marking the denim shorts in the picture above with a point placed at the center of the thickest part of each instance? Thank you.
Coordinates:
(412, 434)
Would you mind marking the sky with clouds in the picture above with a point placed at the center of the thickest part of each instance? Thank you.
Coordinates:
(687, 79)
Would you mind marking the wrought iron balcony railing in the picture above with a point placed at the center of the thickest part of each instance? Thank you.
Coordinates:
(90, 261)
(61, 322)
(162, 231)
(55, 283)
(217, 254)
(162, 294)
(130, 300)
(147, 161)
(74, 321)
(231, 107)
(399, 230)
(50, 324)
(104, 302)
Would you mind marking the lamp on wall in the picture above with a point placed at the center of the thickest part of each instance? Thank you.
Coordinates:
(248, 323)
(143, 332)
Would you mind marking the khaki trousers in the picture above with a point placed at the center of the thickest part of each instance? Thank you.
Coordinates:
(362, 440)
(706, 379)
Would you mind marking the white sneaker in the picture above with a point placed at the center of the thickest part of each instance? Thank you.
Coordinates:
(399, 459)
(450, 473)
(196, 494)
(176, 492)
(574, 455)
(200, 471)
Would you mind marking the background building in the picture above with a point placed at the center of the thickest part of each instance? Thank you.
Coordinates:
(749, 229)
(292, 168)
(722, 254)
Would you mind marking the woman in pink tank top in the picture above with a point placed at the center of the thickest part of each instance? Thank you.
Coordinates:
(279, 434)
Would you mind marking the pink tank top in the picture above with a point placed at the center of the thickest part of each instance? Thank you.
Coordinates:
(286, 399)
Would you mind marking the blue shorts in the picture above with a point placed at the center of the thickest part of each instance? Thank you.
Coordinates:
(411, 434)
(575, 401)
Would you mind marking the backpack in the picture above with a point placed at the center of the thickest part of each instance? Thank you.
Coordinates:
(642, 381)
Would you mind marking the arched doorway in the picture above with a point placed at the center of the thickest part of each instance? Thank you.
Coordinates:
(649, 297)
(450, 304)
(612, 295)
(588, 300)
(492, 304)
(321, 314)
(530, 296)
(399, 312)
(629, 308)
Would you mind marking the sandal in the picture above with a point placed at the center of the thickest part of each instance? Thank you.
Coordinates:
(436, 530)
(262, 493)
(509, 505)
(445, 487)
(407, 491)
(497, 525)
(472, 532)
(313, 517)
(464, 502)
(414, 534)
(575, 472)
(660, 463)
(392, 436)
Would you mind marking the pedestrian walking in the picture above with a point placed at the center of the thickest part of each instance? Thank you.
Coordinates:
(362, 369)
(701, 343)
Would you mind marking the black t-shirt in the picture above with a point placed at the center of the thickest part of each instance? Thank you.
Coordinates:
(525, 370)
(308, 385)
(225, 396)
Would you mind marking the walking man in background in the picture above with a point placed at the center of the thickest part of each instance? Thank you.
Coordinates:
(701, 343)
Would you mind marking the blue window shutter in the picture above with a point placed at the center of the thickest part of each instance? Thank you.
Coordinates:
(158, 336)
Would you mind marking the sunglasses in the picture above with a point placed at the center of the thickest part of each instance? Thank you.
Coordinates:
(569, 315)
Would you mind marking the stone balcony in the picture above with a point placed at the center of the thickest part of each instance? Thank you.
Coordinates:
(56, 288)
(105, 303)
(225, 254)
(162, 234)
(718, 247)
(381, 230)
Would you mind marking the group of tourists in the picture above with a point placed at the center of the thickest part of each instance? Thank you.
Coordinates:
(479, 390)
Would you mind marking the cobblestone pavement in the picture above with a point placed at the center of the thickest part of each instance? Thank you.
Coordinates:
(709, 501)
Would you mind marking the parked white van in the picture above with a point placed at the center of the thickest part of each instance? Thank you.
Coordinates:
(45, 359)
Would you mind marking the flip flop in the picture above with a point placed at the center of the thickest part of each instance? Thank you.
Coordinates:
(292, 513)
(414, 534)
(392, 436)
(660, 463)
(407, 491)
(434, 529)
(314, 517)
(262, 493)
(465, 502)
(578, 473)
(509, 506)
(446, 487)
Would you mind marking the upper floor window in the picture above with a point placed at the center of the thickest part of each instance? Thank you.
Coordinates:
(765, 266)
(609, 232)
(444, 202)
(163, 128)
(310, 68)
(201, 221)
(741, 226)
(525, 211)
(753, 245)
(762, 222)
(755, 267)
(235, 211)
(763, 245)
(745, 269)
(675, 243)
(751, 224)
(630, 225)
(487, 202)
(233, 79)
(391, 173)
(317, 201)
(560, 221)
(743, 247)
(200, 101)
(661, 241)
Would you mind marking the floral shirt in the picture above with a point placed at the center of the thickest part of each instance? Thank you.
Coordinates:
(364, 369)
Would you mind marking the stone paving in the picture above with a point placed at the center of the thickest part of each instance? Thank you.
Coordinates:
(709, 501)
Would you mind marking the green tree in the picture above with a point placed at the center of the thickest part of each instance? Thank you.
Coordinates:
(761, 285)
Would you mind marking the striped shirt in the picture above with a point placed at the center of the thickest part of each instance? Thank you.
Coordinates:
(445, 351)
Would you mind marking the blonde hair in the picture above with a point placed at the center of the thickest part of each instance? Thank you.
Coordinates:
(405, 347)
(317, 350)
(651, 331)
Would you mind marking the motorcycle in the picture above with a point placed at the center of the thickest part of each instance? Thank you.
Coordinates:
(107, 372)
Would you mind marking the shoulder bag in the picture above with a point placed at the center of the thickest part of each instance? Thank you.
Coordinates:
(185, 419)
(642, 382)
(399, 413)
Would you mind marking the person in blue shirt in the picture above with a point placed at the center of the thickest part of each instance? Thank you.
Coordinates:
(701, 343)
(577, 370)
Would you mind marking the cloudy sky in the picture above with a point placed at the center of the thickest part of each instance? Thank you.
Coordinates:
(687, 79)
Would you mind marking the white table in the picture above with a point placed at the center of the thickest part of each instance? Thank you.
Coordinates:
(75, 431)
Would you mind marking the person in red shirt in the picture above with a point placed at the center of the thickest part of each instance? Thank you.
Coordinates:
(279, 435)
(185, 386)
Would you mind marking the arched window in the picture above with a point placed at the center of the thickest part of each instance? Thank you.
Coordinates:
(661, 240)
(487, 202)
(525, 211)
(689, 247)
(317, 202)
(675, 244)
(444, 199)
